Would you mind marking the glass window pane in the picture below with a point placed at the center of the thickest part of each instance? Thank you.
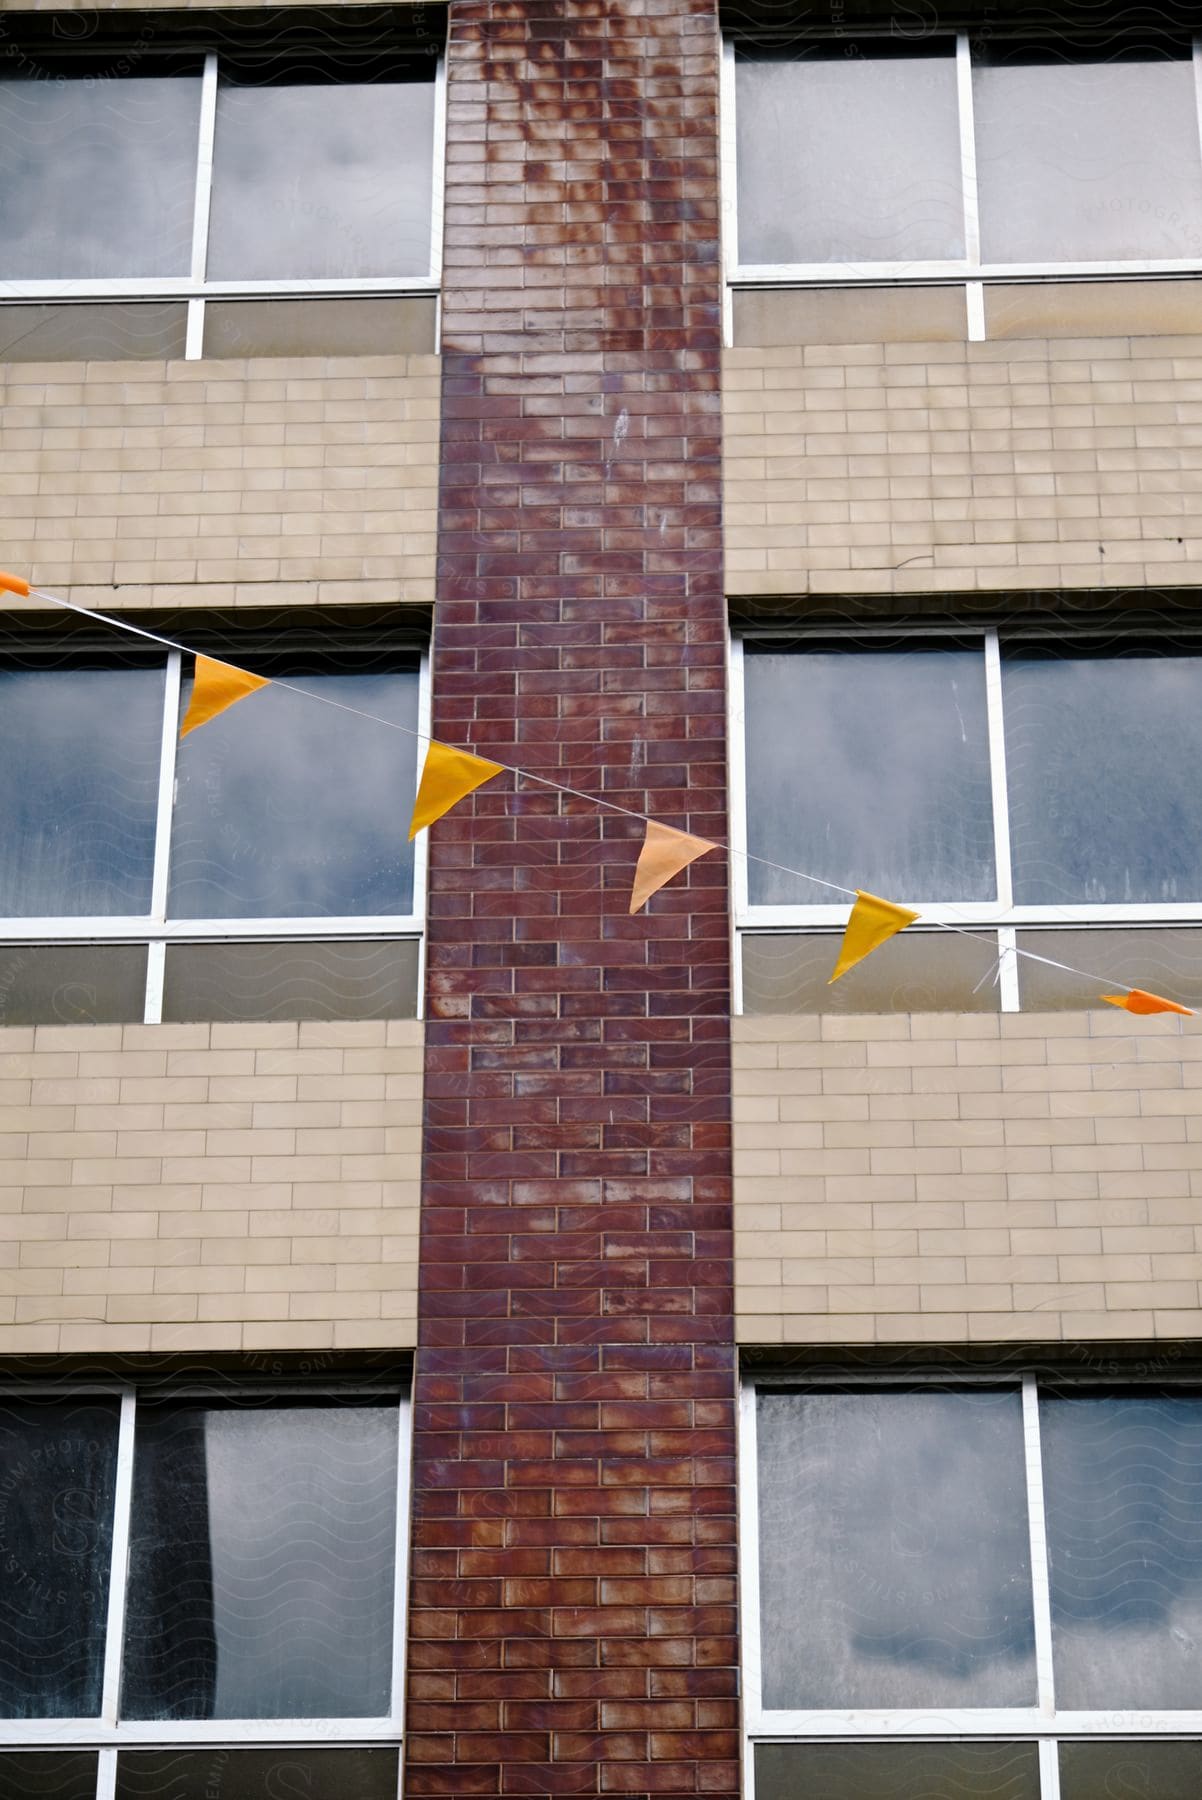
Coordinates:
(918, 971)
(1163, 959)
(1102, 755)
(322, 179)
(262, 1551)
(896, 1772)
(290, 981)
(100, 331)
(288, 809)
(1089, 161)
(257, 1775)
(97, 176)
(79, 754)
(58, 1469)
(894, 1555)
(869, 768)
(1123, 1486)
(849, 158)
(48, 1775)
(1130, 1771)
(72, 984)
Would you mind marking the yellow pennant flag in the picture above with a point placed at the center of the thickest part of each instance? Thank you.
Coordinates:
(217, 685)
(448, 776)
(664, 854)
(1137, 1001)
(872, 922)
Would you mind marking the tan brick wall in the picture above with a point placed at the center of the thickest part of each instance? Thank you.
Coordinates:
(921, 467)
(967, 1178)
(255, 483)
(209, 1187)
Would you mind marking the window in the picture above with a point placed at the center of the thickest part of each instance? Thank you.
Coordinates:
(972, 1588)
(295, 161)
(259, 869)
(1033, 784)
(898, 157)
(202, 1593)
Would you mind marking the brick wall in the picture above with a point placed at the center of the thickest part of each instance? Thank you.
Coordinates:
(208, 1187)
(915, 468)
(572, 1608)
(909, 1178)
(257, 483)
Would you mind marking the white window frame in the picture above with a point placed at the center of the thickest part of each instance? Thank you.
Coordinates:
(1041, 1723)
(156, 930)
(1000, 915)
(970, 269)
(195, 287)
(108, 1733)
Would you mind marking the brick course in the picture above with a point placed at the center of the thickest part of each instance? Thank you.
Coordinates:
(572, 1609)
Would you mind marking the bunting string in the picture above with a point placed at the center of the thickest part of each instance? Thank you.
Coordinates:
(872, 921)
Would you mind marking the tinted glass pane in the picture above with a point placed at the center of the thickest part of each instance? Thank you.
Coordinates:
(869, 768)
(849, 158)
(97, 176)
(72, 984)
(261, 1563)
(58, 1465)
(79, 779)
(342, 327)
(48, 1775)
(918, 971)
(1163, 960)
(1089, 161)
(1131, 1771)
(290, 981)
(896, 1772)
(894, 1557)
(322, 180)
(116, 330)
(1102, 756)
(1123, 1484)
(286, 808)
(257, 1775)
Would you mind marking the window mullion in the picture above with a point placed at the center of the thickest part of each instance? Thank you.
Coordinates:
(194, 346)
(162, 829)
(997, 770)
(749, 1559)
(1197, 49)
(122, 1502)
(737, 767)
(968, 153)
(106, 1775)
(1049, 1769)
(1037, 1525)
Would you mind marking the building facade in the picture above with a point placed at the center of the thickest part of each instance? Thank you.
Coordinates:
(460, 1337)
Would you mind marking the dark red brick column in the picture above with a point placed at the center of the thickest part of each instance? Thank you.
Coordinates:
(572, 1611)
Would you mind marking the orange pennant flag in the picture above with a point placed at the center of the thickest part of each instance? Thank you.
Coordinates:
(873, 921)
(664, 854)
(216, 686)
(448, 776)
(13, 584)
(1137, 1001)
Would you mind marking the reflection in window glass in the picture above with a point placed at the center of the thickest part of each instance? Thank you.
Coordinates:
(97, 176)
(322, 180)
(897, 1772)
(72, 984)
(1165, 959)
(48, 1775)
(289, 809)
(869, 768)
(917, 971)
(1130, 1771)
(847, 158)
(894, 1556)
(262, 1551)
(1102, 754)
(58, 1469)
(1123, 1486)
(257, 1775)
(290, 981)
(79, 752)
(1087, 161)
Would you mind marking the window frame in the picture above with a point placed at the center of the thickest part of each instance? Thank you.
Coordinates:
(1041, 1723)
(195, 287)
(969, 270)
(108, 1734)
(1002, 915)
(156, 930)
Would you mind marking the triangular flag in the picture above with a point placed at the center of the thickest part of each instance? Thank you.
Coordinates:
(1137, 1001)
(448, 777)
(872, 922)
(216, 686)
(665, 853)
(13, 584)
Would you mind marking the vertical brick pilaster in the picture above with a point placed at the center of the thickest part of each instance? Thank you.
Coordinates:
(572, 1623)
